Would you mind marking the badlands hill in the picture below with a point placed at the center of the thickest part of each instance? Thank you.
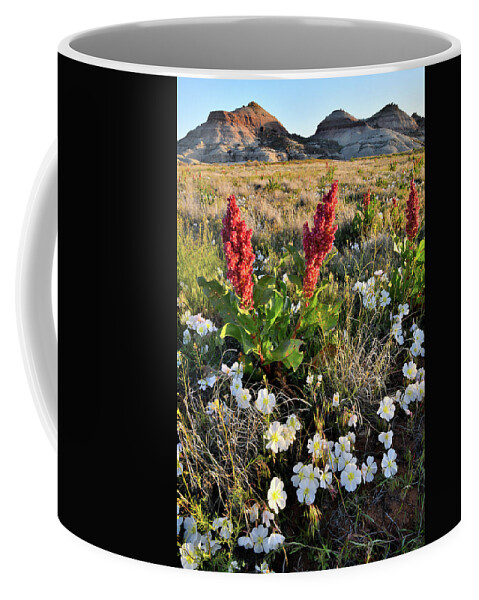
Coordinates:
(251, 133)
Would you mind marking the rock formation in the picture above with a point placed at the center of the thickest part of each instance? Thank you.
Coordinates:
(251, 133)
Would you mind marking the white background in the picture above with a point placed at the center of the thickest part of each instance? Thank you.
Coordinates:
(38, 557)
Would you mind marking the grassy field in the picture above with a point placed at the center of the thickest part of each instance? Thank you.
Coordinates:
(352, 368)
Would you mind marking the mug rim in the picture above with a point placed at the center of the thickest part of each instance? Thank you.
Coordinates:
(66, 49)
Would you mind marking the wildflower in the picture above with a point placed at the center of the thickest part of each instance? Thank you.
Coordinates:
(409, 370)
(421, 390)
(253, 513)
(211, 381)
(418, 336)
(366, 201)
(298, 478)
(337, 461)
(243, 397)
(289, 435)
(388, 463)
(343, 444)
(189, 524)
(386, 438)
(202, 383)
(239, 253)
(259, 537)
(311, 474)
(410, 394)
(412, 213)
(233, 566)
(386, 408)
(267, 517)
(306, 492)
(315, 446)
(350, 477)
(276, 495)
(421, 374)
(178, 358)
(348, 459)
(417, 349)
(385, 298)
(336, 400)
(186, 337)
(275, 438)
(236, 386)
(275, 540)
(403, 310)
(263, 568)
(310, 379)
(369, 469)
(189, 555)
(326, 478)
(208, 544)
(351, 436)
(246, 542)
(285, 278)
(319, 241)
(265, 402)
(353, 419)
(293, 422)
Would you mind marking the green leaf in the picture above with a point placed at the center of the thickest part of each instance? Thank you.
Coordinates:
(238, 333)
(275, 306)
(288, 353)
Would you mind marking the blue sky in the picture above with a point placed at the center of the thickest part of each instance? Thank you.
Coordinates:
(300, 104)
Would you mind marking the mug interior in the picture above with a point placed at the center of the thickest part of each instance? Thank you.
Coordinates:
(262, 43)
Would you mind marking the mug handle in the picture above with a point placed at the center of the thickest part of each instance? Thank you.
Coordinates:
(35, 322)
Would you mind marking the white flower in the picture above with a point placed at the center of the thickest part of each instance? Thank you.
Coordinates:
(211, 381)
(386, 438)
(421, 390)
(265, 402)
(309, 379)
(306, 492)
(293, 423)
(417, 350)
(189, 523)
(236, 386)
(388, 463)
(409, 370)
(298, 478)
(386, 408)
(421, 374)
(410, 393)
(418, 336)
(276, 495)
(209, 545)
(326, 478)
(225, 526)
(343, 444)
(275, 540)
(202, 383)
(285, 278)
(259, 537)
(189, 555)
(263, 568)
(311, 474)
(403, 310)
(267, 518)
(349, 459)
(353, 419)
(186, 337)
(274, 435)
(315, 446)
(351, 436)
(243, 397)
(336, 400)
(350, 477)
(369, 469)
(178, 358)
(385, 299)
(234, 566)
(246, 542)
(253, 513)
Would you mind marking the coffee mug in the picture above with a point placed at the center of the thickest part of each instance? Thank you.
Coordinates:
(297, 151)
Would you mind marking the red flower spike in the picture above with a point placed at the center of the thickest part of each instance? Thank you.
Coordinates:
(412, 213)
(239, 253)
(318, 241)
(366, 200)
